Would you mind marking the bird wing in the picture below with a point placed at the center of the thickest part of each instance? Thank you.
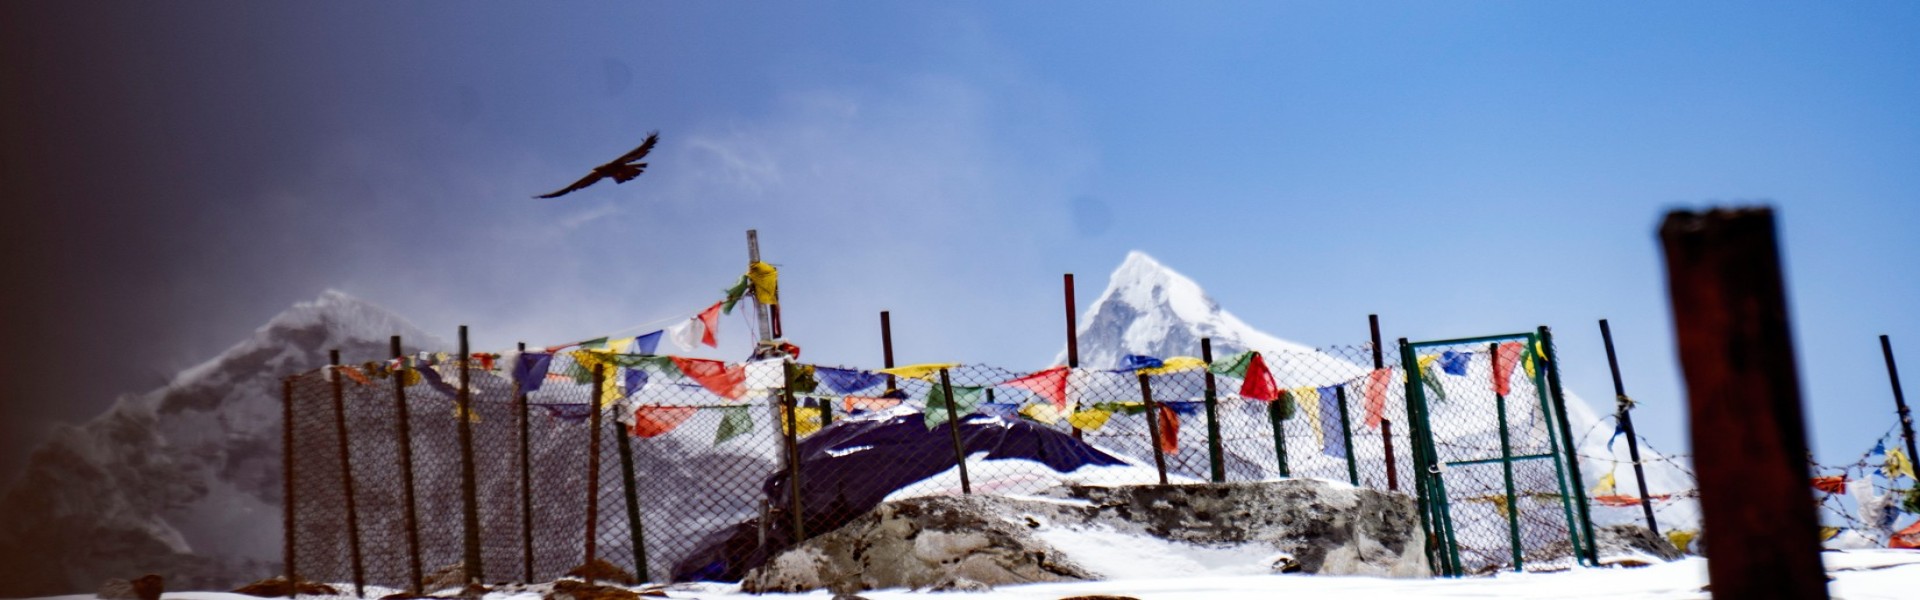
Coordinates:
(641, 152)
(583, 182)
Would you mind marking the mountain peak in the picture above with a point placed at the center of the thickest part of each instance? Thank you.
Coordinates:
(1151, 309)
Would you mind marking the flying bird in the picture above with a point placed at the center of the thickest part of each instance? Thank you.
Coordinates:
(621, 169)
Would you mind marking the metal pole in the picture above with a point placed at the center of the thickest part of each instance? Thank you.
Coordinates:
(953, 426)
(346, 472)
(1624, 411)
(1506, 469)
(1346, 435)
(405, 432)
(886, 346)
(593, 474)
(1215, 462)
(627, 483)
(795, 507)
(286, 477)
(1280, 431)
(469, 479)
(526, 476)
(1429, 490)
(1386, 426)
(1573, 452)
(1736, 351)
(1899, 399)
(1073, 340)
(1153, 428)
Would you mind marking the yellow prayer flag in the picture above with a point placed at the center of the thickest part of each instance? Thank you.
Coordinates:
(1312, 411)
(472, 417)
(1606, 485)
(1827, 532)
(620, 346)
(806, 419)
(1174, 365)
(609, 384)
(1682, 538)
(1528, 365)
(766, 283)
(923, 371)
(1898, 464)
(1042, 412)
(1089, 420)
(1426, 361)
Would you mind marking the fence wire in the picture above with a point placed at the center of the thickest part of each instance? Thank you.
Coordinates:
(694, 475)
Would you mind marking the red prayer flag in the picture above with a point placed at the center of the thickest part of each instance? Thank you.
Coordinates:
(1169, 429)
(710, 324)
(1834, 484)
(1377, 382)
(853, 403)
(717, 377)
(1504, 359)
(1050, 384)
(1907, 538)
(650, 421)
(354, 374)
(1259, 384)
(1617, 500)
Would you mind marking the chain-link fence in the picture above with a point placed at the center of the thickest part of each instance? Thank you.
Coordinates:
(696, 459)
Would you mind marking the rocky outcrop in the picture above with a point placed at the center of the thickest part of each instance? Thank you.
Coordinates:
(947, 542)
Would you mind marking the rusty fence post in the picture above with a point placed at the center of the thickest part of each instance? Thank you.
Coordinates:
(1743, 398)
(636, 535)
(953, 426)
(1153, 427)
(526, 471)
(1386, 426)
(473, 568)
(404, 430)
(289, 552)
(792, 418)
(346, 472)
(593, 473)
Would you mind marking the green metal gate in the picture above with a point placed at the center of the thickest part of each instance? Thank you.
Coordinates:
(1494, 477)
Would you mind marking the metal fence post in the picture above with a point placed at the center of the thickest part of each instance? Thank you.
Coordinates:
(1153, 427)
(634, 530)
(1429, 489)
(1899, 398)
(796, 507)
(286, 477)
(1386, 426)
(1275, 419)
(953, 426)
(1215, 463)
(520, 408)
(1346, 435)
(346, 472)
(1624, 412)
(1506, 467)
(469, 478)
(405, 432)
(1573, 452)
(593, 474)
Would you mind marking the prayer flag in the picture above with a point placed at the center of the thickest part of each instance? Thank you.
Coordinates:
(806, 420)
(923, 371)
(1175, 365)
(647, 344)
(734, 294)
(1617, 500)
(654, 421)
(1907, 538)
(854, 404)
(725, 381)
(1682, 538)
(1169, 430)
(710, 325)
(1377, 382)
(1259, 384)
(1504, 360)
(1135, 362)
(1050, 384)
(1044, 413)
(734, 422)
(569, 412)
(965, 400)
(1606, 485)
(846, 381)
(1316, 415)
(635, 380)
(354, 374)
(1898, 464)
(1454, 363)
(1091, 419)
(1332, 427)
(1233, 366)
(436, 382)
(1282, 408)
(1832, 484)
(766, 283)
(686, 334)
(1431, 379)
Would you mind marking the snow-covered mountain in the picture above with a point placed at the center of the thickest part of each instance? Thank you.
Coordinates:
(183, 480)
(1149, 309)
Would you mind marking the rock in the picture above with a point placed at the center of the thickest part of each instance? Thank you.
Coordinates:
(918, 543)
(276, 587)
(1627, 544)
(1100, 598)
(567, 589)
(945, 542)
(117, 589)
(149, 586)
(601, 570)
(450, 577)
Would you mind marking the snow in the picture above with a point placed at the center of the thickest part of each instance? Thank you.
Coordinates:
(1120, 556)
(1014, 476)
(1172, 573)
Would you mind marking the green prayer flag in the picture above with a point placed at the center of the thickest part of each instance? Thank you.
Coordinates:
(1434, 387)
(734, 294)
(802, 381)
(1232, 366)
(1283, 408)
(599, 343)
(965, 400)
(1126, 408)
(734, 422)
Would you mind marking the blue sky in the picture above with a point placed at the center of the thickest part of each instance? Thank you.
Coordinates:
(1458, 168)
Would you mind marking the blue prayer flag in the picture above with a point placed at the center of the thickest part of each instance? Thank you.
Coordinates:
(1333, 440)
(531, 370)
(846, 381)
(1454, 363)
(646, 344)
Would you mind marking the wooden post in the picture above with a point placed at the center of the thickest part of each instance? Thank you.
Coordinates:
(1743, 398)
(796, 507)
(593, 473)
(1153, 428)
(404, 430)
(1899, 399)
(1386, 426)
(1623, 409)
(953, 426)
(635, 532)
(289, 551)
(1215, 462)
(1073, 343)
(520, 407)
(469, 479)
(767, 326)
(346, 472)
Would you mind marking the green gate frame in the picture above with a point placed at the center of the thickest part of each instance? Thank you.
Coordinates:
(1430, 486)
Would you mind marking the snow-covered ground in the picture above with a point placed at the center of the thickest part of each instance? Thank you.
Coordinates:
(1858, 575)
